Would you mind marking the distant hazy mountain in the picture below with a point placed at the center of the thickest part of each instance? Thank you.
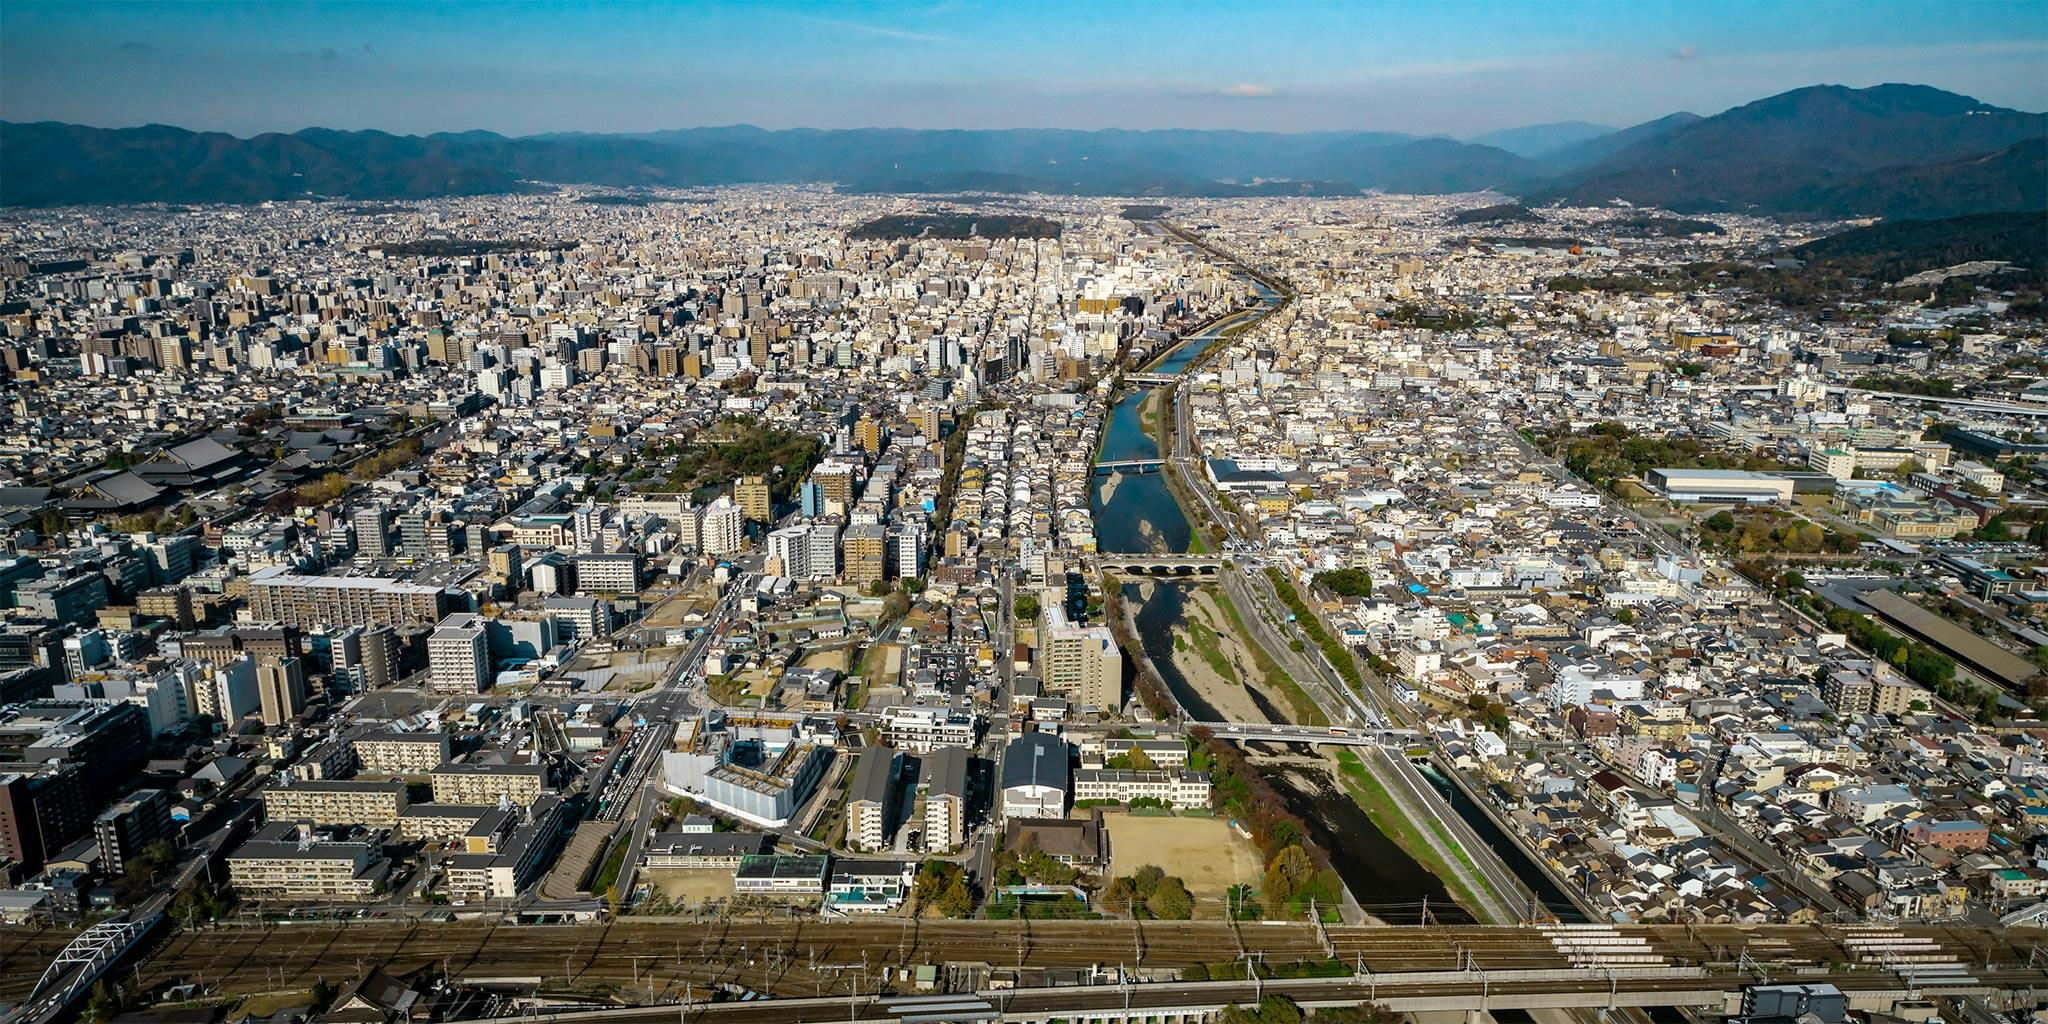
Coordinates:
(46, 163)
(1771, 156)
(1590, 151)
(1826, 150)
(1535, 139)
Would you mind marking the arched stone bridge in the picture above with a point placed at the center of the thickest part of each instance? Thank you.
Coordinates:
(1158, 566)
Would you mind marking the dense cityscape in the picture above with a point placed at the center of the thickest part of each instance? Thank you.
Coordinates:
(775, 601)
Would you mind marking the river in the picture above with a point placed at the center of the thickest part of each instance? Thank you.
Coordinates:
(1140, 515)
(1510, 852)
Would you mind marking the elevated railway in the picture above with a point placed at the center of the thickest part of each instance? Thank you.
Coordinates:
(664, 959)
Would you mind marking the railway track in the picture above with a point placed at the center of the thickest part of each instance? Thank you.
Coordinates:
(810, 957)
(1081, 1001)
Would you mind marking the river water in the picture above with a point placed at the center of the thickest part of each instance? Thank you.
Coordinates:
(1511, 853)
(1140, 515)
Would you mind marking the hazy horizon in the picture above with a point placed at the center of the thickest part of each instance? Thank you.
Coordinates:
(1459, 69)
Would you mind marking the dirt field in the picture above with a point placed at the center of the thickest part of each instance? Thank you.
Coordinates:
(1204, 852)
(635, 671)
(689, 886)
(833, 658)
(672, 613)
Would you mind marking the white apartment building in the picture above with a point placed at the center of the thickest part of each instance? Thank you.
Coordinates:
(459, 656)
(724, 529)
(921, 729)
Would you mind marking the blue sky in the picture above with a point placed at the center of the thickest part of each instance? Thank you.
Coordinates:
(1456, 68)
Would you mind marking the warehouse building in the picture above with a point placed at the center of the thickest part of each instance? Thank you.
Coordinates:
(1719, 486)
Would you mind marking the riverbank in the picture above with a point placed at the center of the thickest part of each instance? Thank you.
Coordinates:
(1217, 662)
(1388, 886)
(1388, 811)
(1200, 646)
(1406, 825)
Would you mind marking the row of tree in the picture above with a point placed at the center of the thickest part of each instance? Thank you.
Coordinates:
(1297, 871)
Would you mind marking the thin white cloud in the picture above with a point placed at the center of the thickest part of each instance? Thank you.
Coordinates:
(877, 31)
(1248, 91)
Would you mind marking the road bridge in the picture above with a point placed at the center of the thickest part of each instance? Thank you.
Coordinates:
(1157, 566)
(1313, 735)
(1150, 379)
(83, 961)
(1130, 466)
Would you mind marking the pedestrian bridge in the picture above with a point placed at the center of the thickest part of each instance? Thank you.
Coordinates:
(1159, 566)
(1313, 735)
(1130, 466)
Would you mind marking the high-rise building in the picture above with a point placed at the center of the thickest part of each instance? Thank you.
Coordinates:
(172, 604)
(907, 550)
(835, 482)
(373, 531)
(130, 826)
(868, 434)
(945, 799)
(806, 551)
(458, 655)
(751, 492)
(929, 421)
(724, 530)
(171, 558)
(867, 554)
(424, 533)
(1081, 663)
(379, 648)
(280, 690)
(60, 761)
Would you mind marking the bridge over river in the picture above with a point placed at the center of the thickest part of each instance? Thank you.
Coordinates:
(1156, 566)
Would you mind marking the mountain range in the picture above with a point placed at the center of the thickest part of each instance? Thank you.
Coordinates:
(1821, 151)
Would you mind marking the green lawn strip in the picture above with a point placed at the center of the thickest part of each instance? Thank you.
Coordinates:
(613, 863)
(1205, 643)
(1306, 711)
(1339, 656)
(1371, 795)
